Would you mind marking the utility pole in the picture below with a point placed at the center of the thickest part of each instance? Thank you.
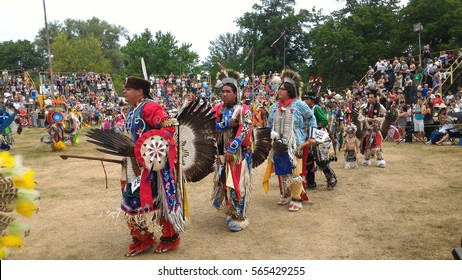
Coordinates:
(284, 50)
(417, 28)
(49, 53)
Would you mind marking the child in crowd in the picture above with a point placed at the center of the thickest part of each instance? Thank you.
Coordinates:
(351, 147)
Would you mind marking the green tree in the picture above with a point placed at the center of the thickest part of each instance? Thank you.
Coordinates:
(108, 34)
(21, 54)
(441, 20)
(54, 31)
(226, 49)
(77, 54)
(275, 34)
(343, 44)
(161, 54)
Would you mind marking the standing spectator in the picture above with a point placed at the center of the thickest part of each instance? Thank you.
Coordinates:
(428, 118)
(370, 72)
(443, 59)
(426, 55)
(451, 58)
(41, 118)
(418, 112)
(34, 116)
(5, 76)
(402, 119)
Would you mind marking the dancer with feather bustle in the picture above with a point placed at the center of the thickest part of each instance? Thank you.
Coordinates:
(233, 179)
(162, 154)
(145, 195)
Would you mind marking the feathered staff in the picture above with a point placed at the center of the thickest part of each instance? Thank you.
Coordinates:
(314, 84)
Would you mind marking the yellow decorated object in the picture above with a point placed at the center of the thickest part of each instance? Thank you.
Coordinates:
(6, 160)
(19, 200)
(26, 208)
(58, 146)
(26, 181)
(11, 241)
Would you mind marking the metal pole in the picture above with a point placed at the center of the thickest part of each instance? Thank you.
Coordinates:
(284, 51)
(49, 52)
(253, 60)
(420, 51)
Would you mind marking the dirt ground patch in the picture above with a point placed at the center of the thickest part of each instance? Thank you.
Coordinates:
(412, 209)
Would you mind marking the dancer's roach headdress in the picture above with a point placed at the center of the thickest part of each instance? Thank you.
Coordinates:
(293, 78)
(225, 76)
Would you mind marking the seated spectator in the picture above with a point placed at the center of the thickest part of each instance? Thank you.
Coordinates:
(447, 125)
(450, 133)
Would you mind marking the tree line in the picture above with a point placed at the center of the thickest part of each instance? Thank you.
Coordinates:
(338, 46)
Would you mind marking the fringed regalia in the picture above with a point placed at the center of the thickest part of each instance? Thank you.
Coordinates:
(162, 155)
(62, 128)
(289, 126)
(289, 120)
(319, 158)
(334, 116)
(152, 197)
(372, 117)
(350, 147)
(232, 182)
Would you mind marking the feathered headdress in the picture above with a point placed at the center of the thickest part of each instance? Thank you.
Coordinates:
(276, 79)
(227, 76)
(293, 78)
(351, 129)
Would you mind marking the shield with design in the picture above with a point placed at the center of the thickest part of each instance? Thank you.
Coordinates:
(57, 117)
(152, 149)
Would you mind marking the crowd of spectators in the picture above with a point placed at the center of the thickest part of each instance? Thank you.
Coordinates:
(91, 96)
(415, 92)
